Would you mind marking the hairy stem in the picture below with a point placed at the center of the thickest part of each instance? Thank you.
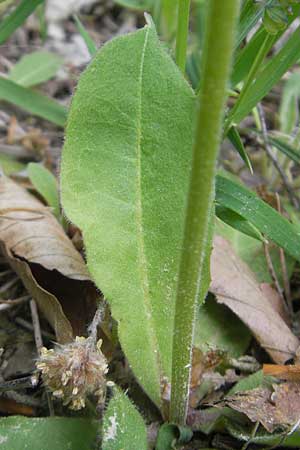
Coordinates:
(182, 32)
(218, 48)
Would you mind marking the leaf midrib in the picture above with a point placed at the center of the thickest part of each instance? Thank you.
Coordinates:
(142, 263)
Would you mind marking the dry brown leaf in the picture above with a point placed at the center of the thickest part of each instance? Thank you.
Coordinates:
(52, 270)
(280, 408)
(275, 300)
(234, 285)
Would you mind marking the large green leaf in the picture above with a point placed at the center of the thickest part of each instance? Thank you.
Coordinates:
(35, 68)
(47, 433)
(266, 219)
(123, 426)
(32, 101)
(124, 181)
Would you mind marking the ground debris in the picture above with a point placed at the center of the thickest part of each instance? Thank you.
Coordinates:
(235, 285)
(43, 256)
(275, 409)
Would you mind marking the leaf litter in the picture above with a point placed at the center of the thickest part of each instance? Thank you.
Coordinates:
(40, 252)
(234, 285)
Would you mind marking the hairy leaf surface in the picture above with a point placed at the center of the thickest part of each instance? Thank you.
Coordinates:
(123, 426)
(47, 433)
(125, 172)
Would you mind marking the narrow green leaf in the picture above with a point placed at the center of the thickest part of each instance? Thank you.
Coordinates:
(123, 426)
(247, 55)
(268, 221)
(250, 14)
(46, 184)
(91, 46)
(47, 433)
(17, 17)
(35, 68)
(235, 138)
(144, 5)
(251, 251)
(278, 142)
(253, 381)
(283, 439)
(33, 102)
(10, 165)
(289, 106)
(285, 148)
(268, 77)
(238, 222)
(277, 440)
(128, 142)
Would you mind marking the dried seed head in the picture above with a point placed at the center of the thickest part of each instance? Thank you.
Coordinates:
(74, 370)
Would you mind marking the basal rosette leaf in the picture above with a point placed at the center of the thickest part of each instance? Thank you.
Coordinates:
(124, 181)
(123, 426)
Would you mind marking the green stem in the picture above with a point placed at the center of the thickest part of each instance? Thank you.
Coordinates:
(217, 55)
(182, 32)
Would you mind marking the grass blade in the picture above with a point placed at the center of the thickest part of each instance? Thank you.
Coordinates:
(285, 148)
(91, 46)
(266, 219)
(17, 17)
(267, 78)
(33, 102)
(281, 145)
(235, 138)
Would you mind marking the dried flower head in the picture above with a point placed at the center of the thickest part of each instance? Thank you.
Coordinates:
(73, 371)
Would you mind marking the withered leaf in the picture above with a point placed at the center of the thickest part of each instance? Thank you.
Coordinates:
(234, 285)
(51, 269)
(280, 408)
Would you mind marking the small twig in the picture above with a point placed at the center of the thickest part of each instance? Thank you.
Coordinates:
(19, 383)
(15, 301)
(245, 364)
(5, 307)
(273, 273)
(28, 326)
(98, 317)
(36, 326)
(16, 151)
(39, 344)
(268, 148)
(10, 283)
(5, 273)
(285, 276)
